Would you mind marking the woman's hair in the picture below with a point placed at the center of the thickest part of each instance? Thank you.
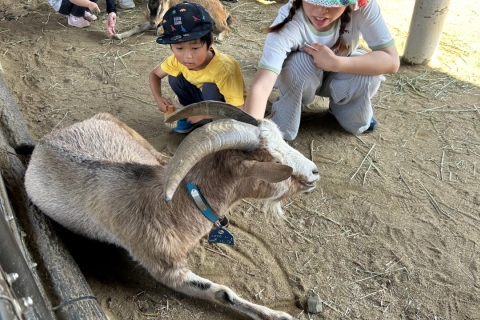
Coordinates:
(296, 4)
(340, 47)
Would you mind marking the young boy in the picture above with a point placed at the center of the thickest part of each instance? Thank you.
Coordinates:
(196, 72)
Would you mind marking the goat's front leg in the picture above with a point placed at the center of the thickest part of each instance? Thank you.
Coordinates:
(191, 284)
(137, 29)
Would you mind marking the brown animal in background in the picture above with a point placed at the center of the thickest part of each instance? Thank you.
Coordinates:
(157, 8)
(101, 179)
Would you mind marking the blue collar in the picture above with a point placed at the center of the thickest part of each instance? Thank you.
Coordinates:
(202, 204)
(219, 234)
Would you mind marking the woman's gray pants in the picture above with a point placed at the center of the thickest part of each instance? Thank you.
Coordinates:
(301, 80)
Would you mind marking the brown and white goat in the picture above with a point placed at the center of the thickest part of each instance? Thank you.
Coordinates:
(101, 179)
(157, 8)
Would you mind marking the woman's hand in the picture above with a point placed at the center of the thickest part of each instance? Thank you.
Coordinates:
(323, 57)
(372, 63)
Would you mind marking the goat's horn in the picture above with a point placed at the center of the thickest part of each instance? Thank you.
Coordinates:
(215, 136)
(215, 109)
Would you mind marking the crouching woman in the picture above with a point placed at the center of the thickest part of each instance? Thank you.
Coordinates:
(312, 48)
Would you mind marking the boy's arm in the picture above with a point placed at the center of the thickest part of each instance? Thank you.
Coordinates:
(92, 6)
(155, 83)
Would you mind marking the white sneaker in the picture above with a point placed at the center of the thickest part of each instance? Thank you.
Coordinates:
(126, 4)
(89, 16)
(78, 22)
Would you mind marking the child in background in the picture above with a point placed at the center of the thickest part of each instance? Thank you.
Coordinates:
(80, 12)
(335, 67)
(196, 72)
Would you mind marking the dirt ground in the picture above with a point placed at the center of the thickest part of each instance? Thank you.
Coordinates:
(392, 230)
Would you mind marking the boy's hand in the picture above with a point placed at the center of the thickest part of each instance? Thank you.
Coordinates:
(93, 7)
(163, 104)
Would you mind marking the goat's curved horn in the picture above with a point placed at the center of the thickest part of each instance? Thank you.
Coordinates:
(216, 109)
(215, 136)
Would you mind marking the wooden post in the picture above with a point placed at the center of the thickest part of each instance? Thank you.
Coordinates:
(425, 30)
(12, 123)
(15, 260)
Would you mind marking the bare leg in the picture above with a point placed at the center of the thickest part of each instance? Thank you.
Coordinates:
(137, 29)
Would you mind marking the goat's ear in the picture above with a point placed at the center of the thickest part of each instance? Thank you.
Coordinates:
(267, 171)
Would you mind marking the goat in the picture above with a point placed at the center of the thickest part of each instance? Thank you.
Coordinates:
(101, 179)
(157, 8)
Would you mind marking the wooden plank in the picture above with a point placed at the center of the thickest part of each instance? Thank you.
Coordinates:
(12, 123)
(13, 259)
(69, 292)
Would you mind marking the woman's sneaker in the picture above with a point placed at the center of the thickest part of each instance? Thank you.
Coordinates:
(78, 22)
(89, 16)
(373, 125)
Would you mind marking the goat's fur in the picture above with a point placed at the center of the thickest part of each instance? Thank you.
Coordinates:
(157, 8)
(101, 179)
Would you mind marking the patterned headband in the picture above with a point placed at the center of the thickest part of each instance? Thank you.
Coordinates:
(332, 3)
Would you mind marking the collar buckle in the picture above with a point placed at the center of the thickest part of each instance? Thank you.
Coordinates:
(219, 234)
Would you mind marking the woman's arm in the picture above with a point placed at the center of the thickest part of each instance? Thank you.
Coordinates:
(111, 6)
(260, 90)
(373, 63)
(112, 17)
